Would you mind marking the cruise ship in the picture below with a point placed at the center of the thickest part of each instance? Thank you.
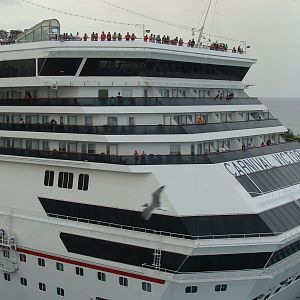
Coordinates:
(93, 134)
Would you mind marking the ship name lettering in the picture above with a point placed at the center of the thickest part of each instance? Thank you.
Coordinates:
(262, 163)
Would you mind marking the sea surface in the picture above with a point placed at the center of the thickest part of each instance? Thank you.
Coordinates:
(287, 110)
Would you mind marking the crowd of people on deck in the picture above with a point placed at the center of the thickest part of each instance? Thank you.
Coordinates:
(148, 38)
(7, 38)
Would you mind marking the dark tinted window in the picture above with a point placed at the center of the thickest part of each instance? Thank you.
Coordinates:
(79, 271)
(58, 66)
(138, 256)
(41, 262)
(83, 182)
(101, 276)
(284, 252)
(42, 286)
(191, 289)
(65, 180)
(17, 68)
(161, 68)
(48, 178)
(23, 281)
(267, 181)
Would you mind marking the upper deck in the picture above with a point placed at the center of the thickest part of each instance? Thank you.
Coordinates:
(124, 49)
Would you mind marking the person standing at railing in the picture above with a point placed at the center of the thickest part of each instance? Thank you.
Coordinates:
(133, 37)
(119, 37)
(127, 36)
(180, 43)
(93, 36)
(103, 36)
(192, 43)
(85, 37)
(146, 38)
(158, 39)
(109, 36)
(77, 37)
(114, 36)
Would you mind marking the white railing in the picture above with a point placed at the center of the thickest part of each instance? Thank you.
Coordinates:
(61, 218)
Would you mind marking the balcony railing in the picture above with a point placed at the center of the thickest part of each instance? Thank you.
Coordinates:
(141, 129)
(151, 159)
(126, 101)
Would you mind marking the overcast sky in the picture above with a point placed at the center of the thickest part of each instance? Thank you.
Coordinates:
(271, 27)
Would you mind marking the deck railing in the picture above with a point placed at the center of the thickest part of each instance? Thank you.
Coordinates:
(127, 101)
(150, 159)
(141, 129)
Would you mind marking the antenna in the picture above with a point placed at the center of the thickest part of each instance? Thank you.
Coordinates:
(203, 26)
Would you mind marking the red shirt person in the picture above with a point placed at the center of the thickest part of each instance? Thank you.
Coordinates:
(103, 36)
(127, 36)
(146, 38)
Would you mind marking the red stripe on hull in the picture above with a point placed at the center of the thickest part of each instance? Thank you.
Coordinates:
(90, 266)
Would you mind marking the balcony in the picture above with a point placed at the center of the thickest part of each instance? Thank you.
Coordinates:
(141, 129)
(151, 159)
(127, 101)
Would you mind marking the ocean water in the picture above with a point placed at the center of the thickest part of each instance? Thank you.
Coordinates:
(287, 110)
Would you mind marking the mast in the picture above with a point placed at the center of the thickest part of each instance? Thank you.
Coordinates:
(202, 28)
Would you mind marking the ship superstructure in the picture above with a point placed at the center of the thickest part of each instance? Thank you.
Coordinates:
(89, 130)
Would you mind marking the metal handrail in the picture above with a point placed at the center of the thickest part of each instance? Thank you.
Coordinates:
(141, 129)
(163, 233)
(128, 101)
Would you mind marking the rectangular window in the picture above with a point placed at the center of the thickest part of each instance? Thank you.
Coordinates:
(91, 148)
(42, 286)
(22, 257)
(131, 121)
(41, 262)
(72, 120)
(88, 121)
(35, 119)
(101, 276)
(83, 182)
(123, 281)
(60, 292)
(45, 145)
(127, 92)
(112, 121)
(48, 178)
(28, 144)
(65, 180)
(175, 149)
(58, 66)
(83, 148)
(17, 68)
(61, 120)
(62, 146)
(191, 289)
(146, 286)
(79, 271)
(7, 277)
(164, 92)
(221, 287)
(59, 267)
(23, 281)
(45, 119)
